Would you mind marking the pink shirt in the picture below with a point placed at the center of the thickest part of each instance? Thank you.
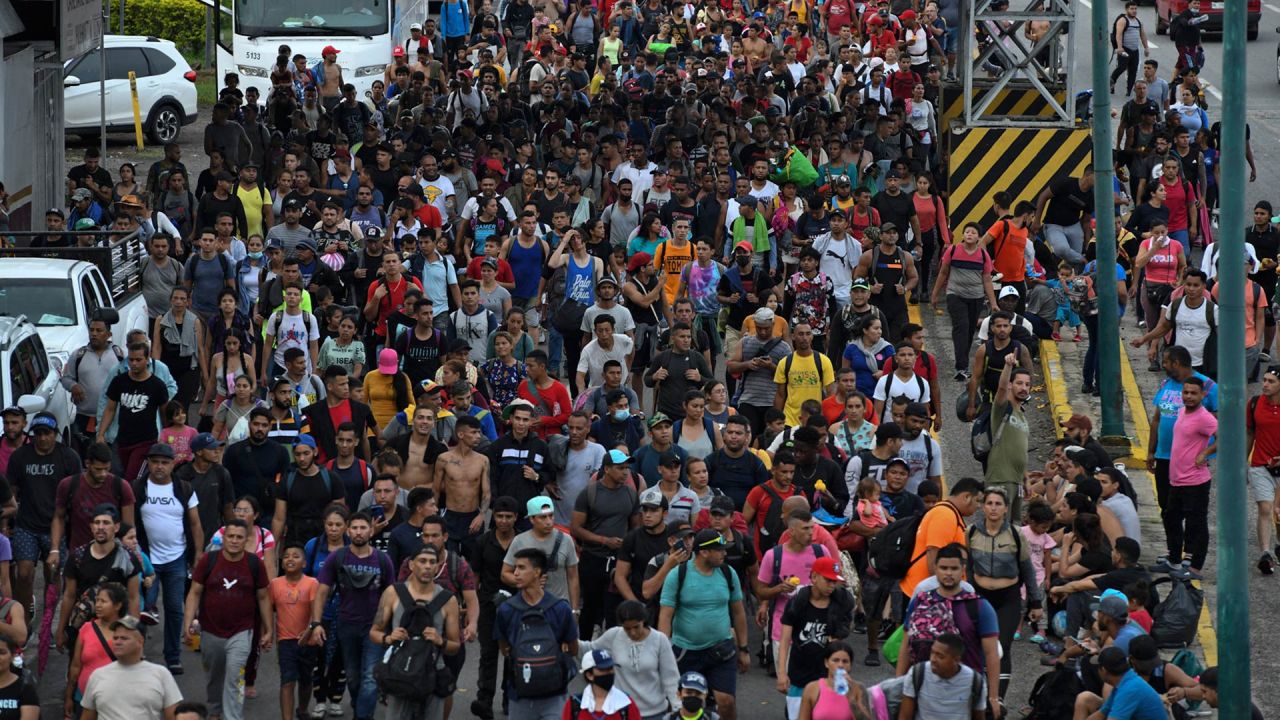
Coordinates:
(1162, 266)
(180, 441)
(1036, 545)
(799, 565)
(1191, 434)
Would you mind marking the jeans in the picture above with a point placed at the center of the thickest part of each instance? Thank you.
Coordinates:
(1067, 242)
(1184, 239)
(1091, 354)
(1186, 524)
(224, 660)
(555, 350)
(965, 316)
(549, 708)
(172, 578)
(359, 654)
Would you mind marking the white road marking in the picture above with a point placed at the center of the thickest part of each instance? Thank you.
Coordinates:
(1214, 92)
(1153, 46)
(1086, 3)
(1271, 7)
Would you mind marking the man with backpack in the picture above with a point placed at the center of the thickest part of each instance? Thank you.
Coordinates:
(419, 620)
(602, 515)
(1127, 38)
(360, 573)
(989, 363)
(1193, 320)
(874, 462)
(87, 371)
(902, 380)
(784, 568)
(229, 594)
(302, 494)
(941, 526)
(539, 637)
(209, 480)
(101, 560)
(693, 614)
(817, 614)
(763, 507)
(943, 688)
(78, 497)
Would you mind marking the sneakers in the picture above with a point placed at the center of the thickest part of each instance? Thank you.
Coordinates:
(1057, 337)
(1037, 639)
(961, 376)
(1266, 564)
(872, 659)
(335, 709)
(175, 669)
(1077, 338)
(1163, 565)
(148, 617)
(481, 710)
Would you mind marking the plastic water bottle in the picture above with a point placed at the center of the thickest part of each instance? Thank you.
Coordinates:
(842, 681)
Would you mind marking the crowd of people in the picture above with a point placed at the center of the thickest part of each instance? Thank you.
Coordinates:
(584, 342)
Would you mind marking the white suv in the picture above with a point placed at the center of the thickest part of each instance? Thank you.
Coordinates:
(28, 377)
(166, 88)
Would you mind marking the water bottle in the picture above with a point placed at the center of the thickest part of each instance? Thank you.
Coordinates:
(842, 681)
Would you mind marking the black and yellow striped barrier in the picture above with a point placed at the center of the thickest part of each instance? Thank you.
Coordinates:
(1010, 102)
(985, 161)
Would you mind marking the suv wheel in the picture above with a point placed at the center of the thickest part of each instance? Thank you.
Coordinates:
(166, 124)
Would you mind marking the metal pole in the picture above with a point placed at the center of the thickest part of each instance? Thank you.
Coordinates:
(1233, 514)
(121, 17)
(210, 24)
(102, 80)
(1108, 339)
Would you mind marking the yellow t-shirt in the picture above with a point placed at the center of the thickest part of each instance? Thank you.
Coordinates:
(253, 200)
(804, 382)
(380, 392)
(672, 259)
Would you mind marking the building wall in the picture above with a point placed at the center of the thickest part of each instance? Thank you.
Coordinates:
(31, 136)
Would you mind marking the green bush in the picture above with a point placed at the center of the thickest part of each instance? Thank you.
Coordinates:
(182, 21)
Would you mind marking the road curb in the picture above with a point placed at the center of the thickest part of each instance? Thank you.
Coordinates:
(1055, 384)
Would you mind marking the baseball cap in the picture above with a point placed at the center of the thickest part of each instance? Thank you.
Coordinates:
(1113, 660)
(908, 15)
(398, 52)
(1144, 654)
(1115, 606)
(657, 419)
(1079, 421)
(860, 284)
(1081, 456)
(669, 459)
(597, 659)
(693, 681)
(1009, 291)
(763, 316)
(416, 26)
(888, 227)
(828, 568)
(489, 263)
(607, 278)
(388, 361)
(205, 441)
(305, 440)
(746, 201)
(898, 461)
(506, 503)
(721, 505)
(55, 211)
(85, 224)
(82, 194)
(540, 505)
(616, 457)
(653, 497)
(744, 245)
(292, 204)
(160, 450)
(329, 50)
(708, 538)
(45, 421)
(14, 410)
(275, 244)
(130, 622)
(638, 261)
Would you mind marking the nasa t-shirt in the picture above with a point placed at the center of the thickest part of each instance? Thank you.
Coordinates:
(138, 403)
(162, 517)
(229, 603)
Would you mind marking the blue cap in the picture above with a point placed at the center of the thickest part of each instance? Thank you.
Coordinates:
(204, 441)
(597, 660)
(693, 681)
(305, 439)
(45, 421)
(616, 457)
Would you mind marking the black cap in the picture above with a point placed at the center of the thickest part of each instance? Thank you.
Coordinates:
(1113, 660)
(161, 450)
(506, 503)
(669, 459)
(721, 505)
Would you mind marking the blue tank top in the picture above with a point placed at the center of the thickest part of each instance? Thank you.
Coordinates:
(526, 265)
(579, 282)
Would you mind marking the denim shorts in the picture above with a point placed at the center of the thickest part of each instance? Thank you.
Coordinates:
(30, 546)
(296, 661)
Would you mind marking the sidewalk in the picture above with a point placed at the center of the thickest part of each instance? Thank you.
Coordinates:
(1063, 367)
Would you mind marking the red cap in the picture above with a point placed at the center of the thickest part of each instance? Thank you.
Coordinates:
(638, 261)
(828, 568)
(494, 165)
(398, 52)
(875, 20)
(745, 245)
(908, 15)
(329, 50)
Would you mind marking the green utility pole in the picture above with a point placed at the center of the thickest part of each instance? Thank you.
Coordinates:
(1233, 514)
(1108, 339)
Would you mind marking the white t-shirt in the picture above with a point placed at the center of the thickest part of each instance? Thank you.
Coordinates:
(436, 191)
(839, 258)
(917, 453)
(163, 519)
(293, 331)
(594, 357)
(579, 466)
(891, 386)
(1191, 327)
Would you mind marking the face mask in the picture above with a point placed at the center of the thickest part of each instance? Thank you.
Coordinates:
(622, 415)
(255, 255)
(604, 682)
(691, 703)
(742, 260)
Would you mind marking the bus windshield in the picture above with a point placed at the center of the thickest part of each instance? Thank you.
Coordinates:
(311, 17)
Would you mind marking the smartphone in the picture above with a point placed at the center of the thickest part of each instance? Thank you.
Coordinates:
(377, 512)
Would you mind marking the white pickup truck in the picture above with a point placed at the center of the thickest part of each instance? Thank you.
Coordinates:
(61, 289)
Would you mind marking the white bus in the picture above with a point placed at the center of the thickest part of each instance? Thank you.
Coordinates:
(250, 33)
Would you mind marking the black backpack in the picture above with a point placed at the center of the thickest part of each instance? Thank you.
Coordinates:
(411, 669)
(1175, 619)
(1115, 24)
(1053, 696)
(540, 669)
(773, 526)
(890, 551)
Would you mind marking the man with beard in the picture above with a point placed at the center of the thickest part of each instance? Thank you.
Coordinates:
(210, 481)
(303, 493)
(919, 449)
(812, 468)
(642, 544)
(360, 573)
(101, 560)
(517, 460)
(86, 376)
(285, 420)
(256, 461)
(14, 437)
(1007, 461)
(733, 469)
(1079, 430)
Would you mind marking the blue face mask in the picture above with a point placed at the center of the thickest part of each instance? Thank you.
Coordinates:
(255, 255)
(622, 415)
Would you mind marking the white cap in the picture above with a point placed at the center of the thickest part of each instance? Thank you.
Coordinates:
(416, 26)
(763, 316)
(1009, 291)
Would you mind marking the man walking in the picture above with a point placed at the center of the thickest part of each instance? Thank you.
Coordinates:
(1186, 522)
(1128, 38)
(1263, 422)
(229, 592)
(130, 687)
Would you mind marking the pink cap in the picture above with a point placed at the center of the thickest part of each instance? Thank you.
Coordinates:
(388, 362)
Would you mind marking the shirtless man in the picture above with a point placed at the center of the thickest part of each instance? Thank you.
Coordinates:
(331, 79)
(462, 484)
(418, 470)
(755, 46)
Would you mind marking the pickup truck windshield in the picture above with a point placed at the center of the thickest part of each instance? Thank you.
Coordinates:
(45, 301)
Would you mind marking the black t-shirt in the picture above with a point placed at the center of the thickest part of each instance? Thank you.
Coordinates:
(254, 469)
(811, 630)
(1069, 203)
(1097, 561)
(402, 540)
(138, 405)
(1120, 578)
(488, 567)
(897, 209)
(309, 495)
(901, 505)
(15, 696)
(80, 173)
(382, 540)
(36, 478)
(309, 217)
(673, 211)
(88, 570)
(1267, 246)
(755, 282)
(638, 547)
(210, 207)
(548, 205)
(421, 357)
(214, 489)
